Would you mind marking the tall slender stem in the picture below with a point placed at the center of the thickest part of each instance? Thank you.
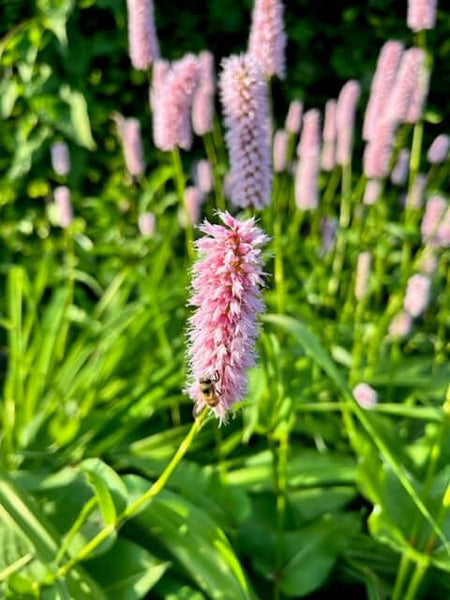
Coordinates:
(212, 157)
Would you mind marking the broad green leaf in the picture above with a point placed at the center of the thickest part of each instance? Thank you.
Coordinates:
(109, 488)
(81, 126)
(199, 546)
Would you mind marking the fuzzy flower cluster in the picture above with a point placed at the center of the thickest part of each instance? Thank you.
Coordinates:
(345, 120)
(203, 101)
(142, 39)
(431, 222)
(204, 178)
(329, 136)
(193, 200)
(226, 294)
(308, 167)
(130, 133)
(377, 152)
(267, 40)
(244, 99)
(63, 203)
(362, 275)
(146, 223)
(294, 117)
(60, 158)
(421, 14)
(408, 94)
(439, 150)
(400, 171)
(280, 146)
(365, 396)
(171, 97)
(417, 193)
(372, 191)
(417, 295)
(400, 325)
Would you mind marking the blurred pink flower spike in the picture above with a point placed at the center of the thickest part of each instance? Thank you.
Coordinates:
(434, 211)
(204, 176)
(267, 40)
(294, 117)
(193, 199)
(443, 232)
(417, 295)
(142, 40)
(400, 325)
(308, 167)
(400, 171)
(60, 158)
(372, 191)
(61, 196)
(171, 100)
(203, 101)
(226, 294)
(416, 195)
(365, 396)
(408, 83)
(328, 230)
(421, 14)
(362, 275)
(280, 142)
(438, 152)
(147, 224)
(130, 132)
(378, 150)
(345, 121)
(244, 99)
(328, 159)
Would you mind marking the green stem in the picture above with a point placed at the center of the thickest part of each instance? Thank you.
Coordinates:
(280, 455)
(212, 157)
(179, 182)
(416, 580)
(138, 504)
(344, 221)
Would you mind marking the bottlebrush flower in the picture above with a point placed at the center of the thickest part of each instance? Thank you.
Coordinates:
(203, 102)
(400, 171)
(244, 99)
(142, 39)
(308, 167)
(171, 100)
(294, 117)
(267, 39)
(438, 151)
(400, 325)
(61, 196)
(419, 95)
(381, 88)
(415, 197)
(60, 158)
(345, 120)
(146, 224)
(443, 232)
(372, 191)
(362, 275)
(226, 294)
(428, 261)
(434, 211)
(378, 151)
(193, 199)
(329, 136)
(406, 82)
(204, 176)
(421, 14)
(130, 133)
(279, 151)
(365, 396)
(417, 295)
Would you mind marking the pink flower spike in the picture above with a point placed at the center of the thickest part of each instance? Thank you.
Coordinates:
(60, 158)
(345, 121)
(382, 84)
(421, 14)
(365, 396)
(400, 172)
(434, 211)
(417, 295)
(406, 82)
(428, 261)
(203, 101)
(171, 100)
(142, 39)
(130, 132)
(329, 137)
(204, 176)
(372, 191)
(267, 39)
(443, 232)
(280, 151)
(244, 99)
(308, 167)
(193, 199)
(362, 275)
(378, 151)
(61, 195)
(438, 151)
(226, 294)
(400, 325)
(419, 95)
(146, 224)
(328, 229)
(294, 117)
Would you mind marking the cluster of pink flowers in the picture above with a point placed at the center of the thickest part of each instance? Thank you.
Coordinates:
(204, 176)
(147, 223)
(308, 167)
(365, 396)
(244, 99)
(294, 117)
(345, 121)
(400, 325)
(400, 171)
(280, 146)
(421, 14)
(226, 294)
(438, 152)
(142, 39)
(130, 133)
(60, 158)
(63, 203)
(267, 39)
(329, 136)
(171, 99)
(434, 212)
(417, 295)
(203, 101)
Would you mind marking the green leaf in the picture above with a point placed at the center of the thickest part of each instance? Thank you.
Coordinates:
(109, 488)
(127, 571)
(194, 540)
(81, 127)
